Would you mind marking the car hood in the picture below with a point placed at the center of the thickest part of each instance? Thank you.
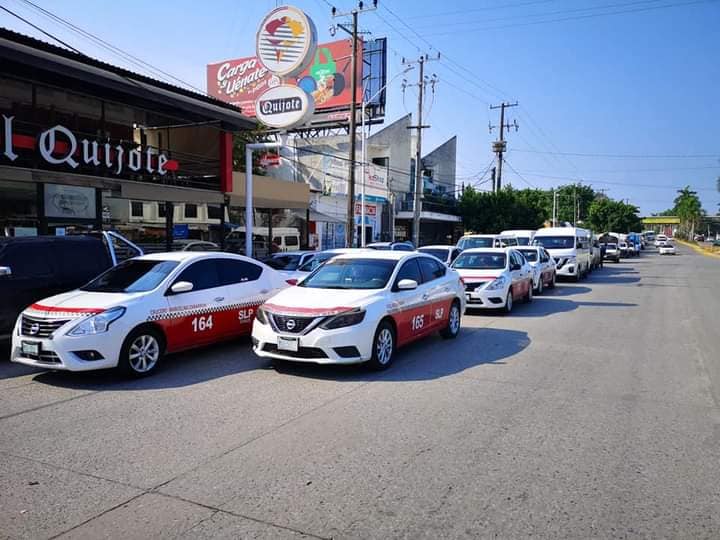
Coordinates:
(479, 275)
(560, 253)
(319, 302)
(81, 303)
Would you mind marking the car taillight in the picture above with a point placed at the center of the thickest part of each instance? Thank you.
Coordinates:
(292, 281)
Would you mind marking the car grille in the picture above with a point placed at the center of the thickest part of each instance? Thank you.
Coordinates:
(291, 324)
(560, 262)
(302, 352)
(46, 357)
(469, 287)
(40, 328)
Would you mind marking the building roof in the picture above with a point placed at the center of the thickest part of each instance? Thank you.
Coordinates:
(28, 51)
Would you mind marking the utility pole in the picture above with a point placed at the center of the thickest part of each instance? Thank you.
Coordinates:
(500, 146)
(493, 179)
(422, 81)
(350, 236)
(554, 214)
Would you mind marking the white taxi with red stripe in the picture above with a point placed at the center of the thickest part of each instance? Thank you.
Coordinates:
(131, 315)
(494, 277)
(360, 307)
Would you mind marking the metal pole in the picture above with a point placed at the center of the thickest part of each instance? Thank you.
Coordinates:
(362, 176)
(417, 210)
(498, 181)
(350, 237)
(248, 200)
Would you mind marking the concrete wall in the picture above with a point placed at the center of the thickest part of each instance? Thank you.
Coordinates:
(442, 163)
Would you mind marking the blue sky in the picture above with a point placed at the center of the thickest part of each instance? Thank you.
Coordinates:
(645, 82)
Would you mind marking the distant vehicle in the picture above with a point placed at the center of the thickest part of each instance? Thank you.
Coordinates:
(699, 238)
(301, 272)
(524, 237)
(472, 241)
(36, 267)
(544, 273)
(667, 249)
(391, 246)
(716, 243)
(660, 240)
(446, 254)
(635, 241)
(289, 261)
(570, 247)
(196, 245)
(359, 307)
(284, 239)
(612, 252)
(595, 254)
(495, 278)
(649, 237)
(624, 249)
(134, 313)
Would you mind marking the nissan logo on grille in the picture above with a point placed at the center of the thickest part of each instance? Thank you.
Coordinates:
(290, 324)
(34, 329)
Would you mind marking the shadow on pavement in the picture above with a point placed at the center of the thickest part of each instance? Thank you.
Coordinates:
(567, 290)
(426, 359)
(176, 371)
(548, 305)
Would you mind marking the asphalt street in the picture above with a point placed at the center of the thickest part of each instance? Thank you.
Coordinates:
(591, 413)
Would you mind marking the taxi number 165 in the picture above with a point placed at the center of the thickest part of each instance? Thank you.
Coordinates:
(200, 324)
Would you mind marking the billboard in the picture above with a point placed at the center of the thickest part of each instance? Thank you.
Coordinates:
(242, 80)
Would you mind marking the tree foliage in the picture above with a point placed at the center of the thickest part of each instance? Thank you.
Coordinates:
(607, 215)
(689, 209)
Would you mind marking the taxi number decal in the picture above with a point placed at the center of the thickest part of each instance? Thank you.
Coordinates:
(200, 324)
(417, 322)
(245, 314)
(439, 313)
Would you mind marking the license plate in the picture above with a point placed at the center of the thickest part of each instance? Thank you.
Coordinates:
(288, 344)
(31, 348)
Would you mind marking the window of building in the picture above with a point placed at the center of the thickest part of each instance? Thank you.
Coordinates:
(214, 211)
(137, 209)
(191, 210)
(161, 210)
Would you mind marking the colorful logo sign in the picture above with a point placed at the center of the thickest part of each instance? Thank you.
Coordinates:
(286, 41)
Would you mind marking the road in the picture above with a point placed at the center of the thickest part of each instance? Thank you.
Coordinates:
(591, 413)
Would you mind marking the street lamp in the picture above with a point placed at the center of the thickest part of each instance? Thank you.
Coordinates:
(363, 156)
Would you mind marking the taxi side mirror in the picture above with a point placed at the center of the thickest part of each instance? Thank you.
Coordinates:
(5, 271)
(181, 287)
(407, 284)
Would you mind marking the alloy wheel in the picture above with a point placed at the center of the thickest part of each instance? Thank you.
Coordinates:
(144, 353)
(384, 346)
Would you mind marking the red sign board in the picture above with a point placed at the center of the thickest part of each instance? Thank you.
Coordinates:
(241, 81)
(370, 209)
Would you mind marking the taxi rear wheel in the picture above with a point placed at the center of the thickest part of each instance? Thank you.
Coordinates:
(452, 329)
(383, 346)
(509, 302)
(141, 352)
(540, 285)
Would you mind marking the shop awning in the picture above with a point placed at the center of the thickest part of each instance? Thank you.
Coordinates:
(270, 192)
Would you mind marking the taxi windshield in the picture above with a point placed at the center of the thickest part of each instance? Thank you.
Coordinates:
(134, 275)
(480, 261)
(470, 242)
(351, 274)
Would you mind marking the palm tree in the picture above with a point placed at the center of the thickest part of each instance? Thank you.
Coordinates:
(689, 209)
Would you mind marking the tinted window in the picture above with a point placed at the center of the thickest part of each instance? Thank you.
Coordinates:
(132, 276)
(430, 268)
(79, 262)
(523, 241)
(191, 210)
(291, 241)
(530, 254)
(455, 253)
(435, 252)
(316, 261)
(402, 247)
(283, 262)
(214, 212)
(27, 260)
(475, 242)
(351, 274)
(161, 209)
(136, 209)
(480, 261)
(202, 274)
(555, 242)
(233, 271)
(409, 270)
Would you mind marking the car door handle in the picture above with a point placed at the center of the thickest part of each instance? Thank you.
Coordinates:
(219, 299)
(265, 291)
(425, 296)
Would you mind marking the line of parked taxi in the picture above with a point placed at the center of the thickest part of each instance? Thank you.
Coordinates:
(336, 306)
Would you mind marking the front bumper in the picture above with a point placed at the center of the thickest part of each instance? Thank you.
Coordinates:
(482, 298)
(318, 346)
(569, 269)
(61, 352)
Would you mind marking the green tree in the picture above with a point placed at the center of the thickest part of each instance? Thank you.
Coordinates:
(689, 209)
(607, 215)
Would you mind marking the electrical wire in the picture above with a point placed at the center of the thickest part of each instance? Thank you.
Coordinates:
(625, 156)
(505, 161)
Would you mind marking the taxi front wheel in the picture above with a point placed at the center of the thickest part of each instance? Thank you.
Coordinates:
(141, 352)
(452, 329)
(383, 347)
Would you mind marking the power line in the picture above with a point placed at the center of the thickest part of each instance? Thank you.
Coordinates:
(520, 175)
(632, 184)
(48, 34)
(625, 156)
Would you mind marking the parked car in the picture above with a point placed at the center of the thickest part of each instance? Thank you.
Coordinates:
(494, 278)
(612, 252)
(289, 261)
(446, 254)
(471, 241)
(570, 247)
(196, 245)
(35, 267)
(524, 237)
(667, 249)
(359, 307)
(133, 314)
(660, 240)
(544, 273)
(391, 246)
(295, 276)
(624, 249)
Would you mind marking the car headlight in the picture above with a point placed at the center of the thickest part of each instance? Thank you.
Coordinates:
(261, 316)
(345, 319)
(496, 284)
(97, 324)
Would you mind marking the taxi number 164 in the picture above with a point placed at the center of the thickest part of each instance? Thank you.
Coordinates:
(200, 324)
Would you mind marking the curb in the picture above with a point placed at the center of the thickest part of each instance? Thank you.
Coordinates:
(698, 249)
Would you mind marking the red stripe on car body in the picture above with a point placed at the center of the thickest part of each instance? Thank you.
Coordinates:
(52, 309)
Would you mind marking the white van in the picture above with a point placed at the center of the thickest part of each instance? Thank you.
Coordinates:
(470, 241)
(524, 237)
(284, 238)
(570, 247)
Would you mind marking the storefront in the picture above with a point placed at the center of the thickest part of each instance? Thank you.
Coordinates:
(86, 145)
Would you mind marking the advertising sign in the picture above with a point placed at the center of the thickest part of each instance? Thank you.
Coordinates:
(286, 40)
(284, 106)
(241, 81)
(69, 202)
(336, 179)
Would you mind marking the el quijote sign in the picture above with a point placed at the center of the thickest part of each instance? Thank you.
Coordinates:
(285, 45)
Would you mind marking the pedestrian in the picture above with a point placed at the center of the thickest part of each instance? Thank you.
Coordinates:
(602, 255)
